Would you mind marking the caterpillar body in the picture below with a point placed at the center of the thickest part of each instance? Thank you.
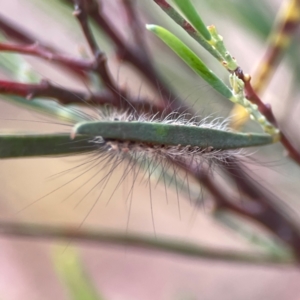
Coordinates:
(152, 146)
(171, 134)
(167, 137)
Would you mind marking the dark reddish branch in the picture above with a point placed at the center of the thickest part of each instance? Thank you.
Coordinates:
(141, 62)
(163, 4)
(283, 31)
(81, 15)
(222, 201)
(38, 51)
(47, 90)
(261, 208)
(251, 95)
(272, 215)
(135, 26)
(14, 32)
(124, 51)
(266, 110)
(100, 58)
(66, 96)
(76, 65)
(292, 151)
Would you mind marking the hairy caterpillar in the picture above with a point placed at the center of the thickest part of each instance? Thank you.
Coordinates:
(143, 158)
(203, 143)
(168, 137)
(154, 154)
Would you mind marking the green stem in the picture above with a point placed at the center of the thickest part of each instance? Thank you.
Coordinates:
(32, 145)
(139, 242)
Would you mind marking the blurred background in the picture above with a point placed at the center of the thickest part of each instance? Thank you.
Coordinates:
(39, 191)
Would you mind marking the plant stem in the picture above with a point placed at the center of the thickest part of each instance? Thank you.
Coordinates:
(41, 52)
(100, 58)
(20, 35)
(66, 96)
(287, 22)
(266, 110)
(139, 242)
(138, 59)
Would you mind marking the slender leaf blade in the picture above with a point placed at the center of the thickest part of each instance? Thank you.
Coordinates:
(191, 59)
(191, 14)
(74, 276)
(32, 145)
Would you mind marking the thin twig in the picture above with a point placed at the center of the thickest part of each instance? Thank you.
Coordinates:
(67, 96)
(11, 30)
(266, 110)
(272, 215)
(14, 32)
(38, 51)
(288, 21)
(285, 26)
(99, 56)
(144, 65)
(259, 208)
(136, 26)
(139, 242)
(64, 96)
(265, 212)
(81, 15)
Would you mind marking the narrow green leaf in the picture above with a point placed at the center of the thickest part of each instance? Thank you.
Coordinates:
(191, 14)
(171, 134)
(191, 59)
(177, 17)
(30, 145)
(74, 276)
